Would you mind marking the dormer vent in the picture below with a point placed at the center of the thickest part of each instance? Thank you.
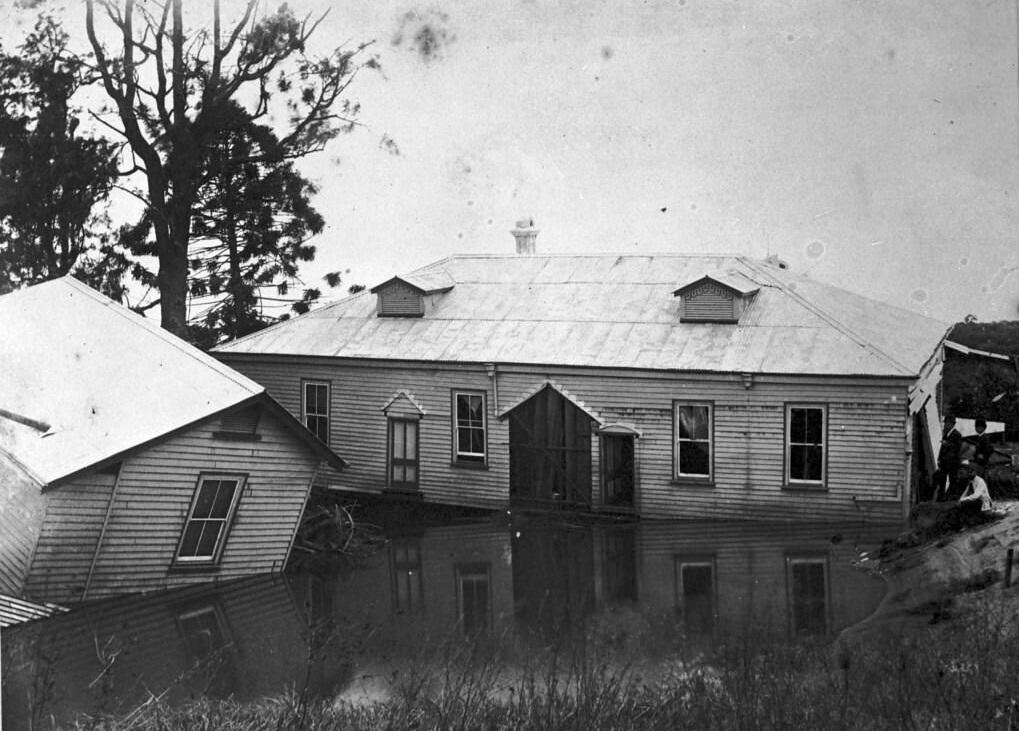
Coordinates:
(399, 299)
(720, 298)
(410, 295)
(525, 234)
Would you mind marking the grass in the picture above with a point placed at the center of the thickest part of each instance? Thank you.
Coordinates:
(961, 674)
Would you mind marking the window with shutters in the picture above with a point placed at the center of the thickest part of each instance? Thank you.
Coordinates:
(212, 510)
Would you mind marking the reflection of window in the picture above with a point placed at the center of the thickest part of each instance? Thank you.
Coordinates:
(474, 597)
(403, 454)
(202, 631)
(405, 568)
(807, 581)
(805, 453)
(692, 428)
(211, 511)
(316, 408)
(620, 565)
(695, 593)
(468, 427)
(206, 640)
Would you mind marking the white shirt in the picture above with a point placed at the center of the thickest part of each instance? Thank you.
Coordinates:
(977, 490)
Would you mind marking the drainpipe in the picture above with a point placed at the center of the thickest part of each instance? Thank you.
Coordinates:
(748, 383)
(492, 370)
(102, 531)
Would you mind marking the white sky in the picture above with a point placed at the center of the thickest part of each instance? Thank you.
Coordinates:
(873, 145)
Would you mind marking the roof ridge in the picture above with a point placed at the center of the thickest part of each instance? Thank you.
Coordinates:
(829, 318)
(169, 338)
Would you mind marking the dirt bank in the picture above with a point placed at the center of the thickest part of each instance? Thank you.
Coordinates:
(934, 581)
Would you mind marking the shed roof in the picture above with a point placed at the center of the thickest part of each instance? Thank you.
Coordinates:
(618, 311)
(100, 380)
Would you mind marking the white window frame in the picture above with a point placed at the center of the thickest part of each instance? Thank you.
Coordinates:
(789, 444)
(305, 415)
(676, 442)
(225, 522)
(466, 457)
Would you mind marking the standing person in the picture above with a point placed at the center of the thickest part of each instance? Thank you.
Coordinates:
(945, 478)
(984, 448)
(976, 493)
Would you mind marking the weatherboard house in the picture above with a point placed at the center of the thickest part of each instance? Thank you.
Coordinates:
(130, 460)
(672, 386)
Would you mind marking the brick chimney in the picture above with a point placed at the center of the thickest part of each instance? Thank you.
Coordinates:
(525, 233)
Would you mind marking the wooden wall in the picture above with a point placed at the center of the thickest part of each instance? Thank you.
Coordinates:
(21, 514)
(867, 446)
(152, 500)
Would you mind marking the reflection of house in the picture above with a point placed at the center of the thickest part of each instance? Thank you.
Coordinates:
(244, 639)
(672, 386)
(130, 460)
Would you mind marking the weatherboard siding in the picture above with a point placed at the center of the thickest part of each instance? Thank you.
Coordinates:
(21, 514)
(67, 542)
(866, 453)
(151, 505)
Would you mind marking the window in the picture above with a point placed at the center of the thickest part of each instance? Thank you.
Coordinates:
(474, 597)
(692, 428)
(805, 448)
(468, 427)
(316, 408)
(209, 518)
(807, 580)
(403, 454)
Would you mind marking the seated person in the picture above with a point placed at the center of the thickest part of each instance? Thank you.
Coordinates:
(976, 489)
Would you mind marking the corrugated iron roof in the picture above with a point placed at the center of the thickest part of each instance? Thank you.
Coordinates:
(103, 379)
(15, 611)
(618, 311)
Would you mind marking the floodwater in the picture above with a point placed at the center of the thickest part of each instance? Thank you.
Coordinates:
(345, 627)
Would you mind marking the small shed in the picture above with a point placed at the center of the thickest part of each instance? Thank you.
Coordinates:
(130, 460)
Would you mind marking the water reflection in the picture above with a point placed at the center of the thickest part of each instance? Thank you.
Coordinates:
(344, 627)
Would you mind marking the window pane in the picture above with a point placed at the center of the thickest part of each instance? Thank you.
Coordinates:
(191, 536)
(410, 474)
(412, 433)
(693, 422)
(798, 425)
(805, 462)
(463, 440)
(399, 446)
(224, 496)
(478, 441)
(206, 496)
(815, 426)
(210, 534)
(694, 458)
(463, 408)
